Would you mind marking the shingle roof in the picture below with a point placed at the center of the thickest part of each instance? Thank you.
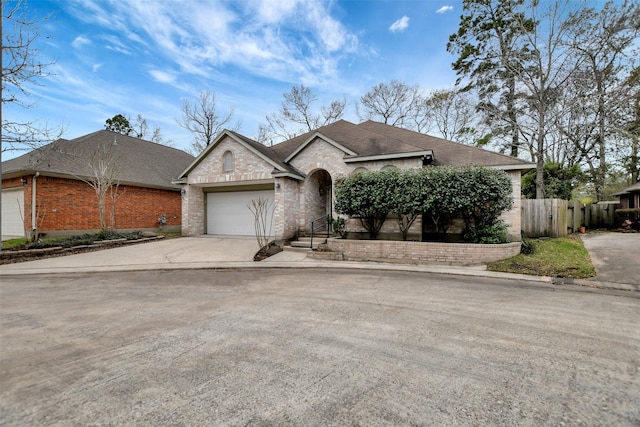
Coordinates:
(144, 163)
(376, 139)
(630, 189)
(356, 138)
(373, 138)
(445, 152)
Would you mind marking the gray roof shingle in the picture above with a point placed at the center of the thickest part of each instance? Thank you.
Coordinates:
(378, 139)
(373, 138)
(143, 163)
(445, 152)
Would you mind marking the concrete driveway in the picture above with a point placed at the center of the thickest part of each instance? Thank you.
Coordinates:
(616, 256)
(159, 254)
(313, 347)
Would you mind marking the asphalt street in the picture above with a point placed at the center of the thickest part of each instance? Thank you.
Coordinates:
(314, 347)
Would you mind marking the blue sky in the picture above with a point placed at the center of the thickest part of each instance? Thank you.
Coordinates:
(144, 57)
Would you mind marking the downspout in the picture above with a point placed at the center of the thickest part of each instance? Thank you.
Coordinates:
(34, 226)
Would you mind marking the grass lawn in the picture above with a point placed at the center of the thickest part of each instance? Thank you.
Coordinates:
(559, 257)
(14, 243)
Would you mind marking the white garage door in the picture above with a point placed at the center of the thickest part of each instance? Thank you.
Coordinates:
(228, 213)
(12, 212)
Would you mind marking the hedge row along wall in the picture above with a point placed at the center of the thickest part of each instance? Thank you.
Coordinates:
(476, 194)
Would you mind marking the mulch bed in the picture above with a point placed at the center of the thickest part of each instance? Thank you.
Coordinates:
(267, 251)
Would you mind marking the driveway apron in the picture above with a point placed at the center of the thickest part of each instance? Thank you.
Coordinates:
(616, 256)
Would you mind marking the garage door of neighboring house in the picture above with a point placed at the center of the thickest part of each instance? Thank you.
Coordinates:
(13, 212)
(228, 211)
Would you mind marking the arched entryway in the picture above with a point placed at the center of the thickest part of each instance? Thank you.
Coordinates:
(318, 198)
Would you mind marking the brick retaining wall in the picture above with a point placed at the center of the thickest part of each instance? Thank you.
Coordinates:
(422, 252)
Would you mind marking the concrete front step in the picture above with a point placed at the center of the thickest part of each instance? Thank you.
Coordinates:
(321, 238)
(296, 249)
(306, 243)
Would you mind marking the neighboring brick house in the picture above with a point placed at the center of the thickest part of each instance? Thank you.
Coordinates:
(298, 175)
(44, 188)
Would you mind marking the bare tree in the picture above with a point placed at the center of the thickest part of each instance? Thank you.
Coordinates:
(140, 127)
(549, 69)
(105, 167)
(452, 114)
(141, 130)
(298, 115)
(203, 120)
(571, 126)
(630, 128)
(394, 103)
(22, 66)
(606, 43)
(263, 212)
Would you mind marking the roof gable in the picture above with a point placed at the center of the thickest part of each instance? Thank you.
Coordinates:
(312, 138)
(255, 147)
(355, 141)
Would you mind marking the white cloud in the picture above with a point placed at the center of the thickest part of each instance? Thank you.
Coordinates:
(162, 76)
(96, 67)
(288, 40)
(274, 11)
(80, 41)
(444, 9)
(400, 25)
(115, 44)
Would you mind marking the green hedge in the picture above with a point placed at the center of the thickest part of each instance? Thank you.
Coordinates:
(476, 194)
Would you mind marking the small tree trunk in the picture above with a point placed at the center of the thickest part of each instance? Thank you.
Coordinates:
(515, 137)
(540, 168)
(102, 211)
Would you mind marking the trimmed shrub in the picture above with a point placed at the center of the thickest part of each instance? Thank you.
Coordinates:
(476, 194)
(365, 196)
(339, 226)
(491, 234)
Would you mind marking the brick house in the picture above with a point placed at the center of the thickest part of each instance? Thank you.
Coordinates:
(45, 188)
(297, 175)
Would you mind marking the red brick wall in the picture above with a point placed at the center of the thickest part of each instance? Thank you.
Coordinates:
(11, 183)
(68, 204)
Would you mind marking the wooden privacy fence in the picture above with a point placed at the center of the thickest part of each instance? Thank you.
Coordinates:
(557, 218)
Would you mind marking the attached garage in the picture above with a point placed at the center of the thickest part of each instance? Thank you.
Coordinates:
(228, 210)
(13, 212)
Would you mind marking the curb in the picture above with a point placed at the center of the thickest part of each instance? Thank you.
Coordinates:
(319, 264)
(595, 283)
(347, 265)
